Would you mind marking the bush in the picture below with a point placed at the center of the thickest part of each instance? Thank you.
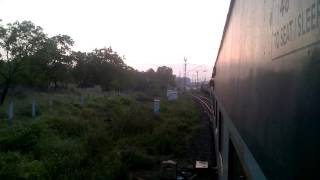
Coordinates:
(62, 158)
(22, 137)
(106, 138)
(13, 165)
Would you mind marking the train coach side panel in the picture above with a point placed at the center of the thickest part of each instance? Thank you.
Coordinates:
(268, 78)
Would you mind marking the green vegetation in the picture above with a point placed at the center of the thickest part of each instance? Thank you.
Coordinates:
(108, 137)
(31, 59)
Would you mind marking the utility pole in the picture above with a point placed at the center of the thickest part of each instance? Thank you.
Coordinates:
(185, 74)
(197, 83)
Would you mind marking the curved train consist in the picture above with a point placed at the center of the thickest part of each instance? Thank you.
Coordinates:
(267, 89)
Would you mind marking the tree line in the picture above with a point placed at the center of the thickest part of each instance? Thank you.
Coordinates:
(30, 58)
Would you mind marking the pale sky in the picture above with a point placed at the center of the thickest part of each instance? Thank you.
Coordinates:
(148, 32)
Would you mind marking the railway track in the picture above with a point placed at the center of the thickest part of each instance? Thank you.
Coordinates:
(232, 154)
(205, 103)
(208, 108)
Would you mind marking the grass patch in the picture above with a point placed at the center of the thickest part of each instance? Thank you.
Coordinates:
(106, 137)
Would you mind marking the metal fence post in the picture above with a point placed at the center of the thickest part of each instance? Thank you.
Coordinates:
(10, 113)
(156, 105)
(81, 100)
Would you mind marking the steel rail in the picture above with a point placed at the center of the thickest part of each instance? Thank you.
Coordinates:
(203, 103)
(210, 113)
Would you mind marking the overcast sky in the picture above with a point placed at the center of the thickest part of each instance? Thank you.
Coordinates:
(148, 32)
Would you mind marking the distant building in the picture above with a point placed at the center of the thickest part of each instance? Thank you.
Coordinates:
(172, 94)
(180, 82)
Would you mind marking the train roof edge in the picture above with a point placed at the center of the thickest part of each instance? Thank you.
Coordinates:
(223, 35)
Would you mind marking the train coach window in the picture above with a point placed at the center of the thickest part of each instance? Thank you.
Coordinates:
(220, 134)
(235, 170)
(216, 109)
(216, 118)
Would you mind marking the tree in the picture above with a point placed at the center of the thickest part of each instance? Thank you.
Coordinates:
(57, 51)
(102, 67)
(18, 41)
(30, 58)
(165, 76)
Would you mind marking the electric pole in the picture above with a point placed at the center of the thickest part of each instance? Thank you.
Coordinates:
(197, 79)
(185, 74)
(205, 77)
